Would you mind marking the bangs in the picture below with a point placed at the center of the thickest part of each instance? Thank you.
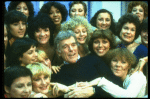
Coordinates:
(39, 68)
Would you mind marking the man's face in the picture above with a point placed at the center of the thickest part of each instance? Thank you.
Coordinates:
(68, 50)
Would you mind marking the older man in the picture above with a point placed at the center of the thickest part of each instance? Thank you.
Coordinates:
(76, 69)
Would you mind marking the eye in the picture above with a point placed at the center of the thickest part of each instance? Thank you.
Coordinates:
(18, 8)
(73, 10)
(134, 10)
(37, 79)
(46, 77)
(96, 42)
(15, 24)
(141, 10)
(101, 19)
(80, 10)
(105, 41)
(29, 84)
(20, 86)
(107, 19)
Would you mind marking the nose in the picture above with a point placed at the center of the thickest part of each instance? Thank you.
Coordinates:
(26, 89)
(43, 82)
(118, 64)
(81, 33)
(55, 14)
(100, 45)
(42, 33)
(104, 22)
(21, 26)
(70, 48)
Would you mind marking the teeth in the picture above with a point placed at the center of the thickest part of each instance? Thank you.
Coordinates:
(56, 19)
(100, 51)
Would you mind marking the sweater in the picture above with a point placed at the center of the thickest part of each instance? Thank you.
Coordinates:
(86, 69)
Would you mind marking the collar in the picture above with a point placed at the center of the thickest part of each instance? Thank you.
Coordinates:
(76, 61)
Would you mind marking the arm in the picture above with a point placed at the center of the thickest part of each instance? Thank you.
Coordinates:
(136, 83)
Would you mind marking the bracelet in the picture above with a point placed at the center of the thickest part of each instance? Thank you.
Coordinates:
(142, 60)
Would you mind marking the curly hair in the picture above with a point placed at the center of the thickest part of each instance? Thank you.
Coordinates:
(104, 34)
(136, 3)
(43, 21)
(75, 21)
(47, 6)
(13, 5)
(77, 2)
(131, 18)
(94, 18)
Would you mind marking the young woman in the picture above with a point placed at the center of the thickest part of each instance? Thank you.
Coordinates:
(57, 12)
(82, 30)
(19, 84)
(23, 52)
(103, 19)
(26, 7)
(41, 29)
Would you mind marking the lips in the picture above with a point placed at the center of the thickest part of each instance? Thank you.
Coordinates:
(44, 87)
(56, 19)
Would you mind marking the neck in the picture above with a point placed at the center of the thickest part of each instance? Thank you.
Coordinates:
(81, 50)
(123, 78)
(127, 43)
(43, 46)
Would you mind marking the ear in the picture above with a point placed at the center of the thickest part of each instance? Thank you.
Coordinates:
(6, 89)
(58, 53)
(85, 14)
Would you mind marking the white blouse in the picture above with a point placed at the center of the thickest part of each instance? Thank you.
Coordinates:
(133, 86)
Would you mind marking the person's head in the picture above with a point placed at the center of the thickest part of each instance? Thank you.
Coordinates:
(57, 11)
(103, 19)
(16, 24)
(26, 7)
(66, 47)
(41, 29)
(101, 42)
(138, 8)
(144, 32)
(41, 77)
(81, 28)
(127, 28)
(23, 52)
(43, 58)
(121, 60)
(5, 35)
(78, 8)
(17, 82)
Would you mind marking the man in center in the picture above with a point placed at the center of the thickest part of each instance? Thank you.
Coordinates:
(76, 69)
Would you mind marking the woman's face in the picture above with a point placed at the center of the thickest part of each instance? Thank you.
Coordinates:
(144, 37)
(139, 11)
(103, 21)
(128, 31)
(18, 29)
(81, 34)
(41, 84)
(55, 15)
(77, 10)
(21, 87)
(22, 7)
(42, 35)
(29, 57)
(101, 46)
(47, 62)
(119, 67)
(5, 36)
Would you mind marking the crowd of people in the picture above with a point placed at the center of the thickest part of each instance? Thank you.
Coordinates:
(46, 56)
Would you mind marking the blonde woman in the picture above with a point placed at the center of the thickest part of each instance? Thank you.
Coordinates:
(43, 58)
(82, 30)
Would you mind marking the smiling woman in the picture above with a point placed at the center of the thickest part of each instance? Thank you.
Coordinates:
(23, 52)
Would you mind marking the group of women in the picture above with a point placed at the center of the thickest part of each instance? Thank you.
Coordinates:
(30, 58)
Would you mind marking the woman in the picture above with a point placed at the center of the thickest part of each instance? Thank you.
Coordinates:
(26, 7)
(57, 12)
(23, 52)
(144, 32)
(40, 79)
(140, 9)
(128, 30)
(82, 30)
(41, 29)
(103, 19)
(78, 8)
(16, 25)
(101, 42)
(121, 62)
(42, 58)
(19, 84)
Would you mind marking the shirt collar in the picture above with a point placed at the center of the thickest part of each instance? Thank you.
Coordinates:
(76, 61)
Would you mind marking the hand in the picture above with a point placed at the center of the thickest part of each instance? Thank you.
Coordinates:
(57, 87)
(83, 84)
(38, 95)
(55, 69)
(80, 93)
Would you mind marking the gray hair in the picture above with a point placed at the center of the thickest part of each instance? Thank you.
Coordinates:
(62, 35)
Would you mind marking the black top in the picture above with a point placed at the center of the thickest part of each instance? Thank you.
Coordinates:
(86, 69)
